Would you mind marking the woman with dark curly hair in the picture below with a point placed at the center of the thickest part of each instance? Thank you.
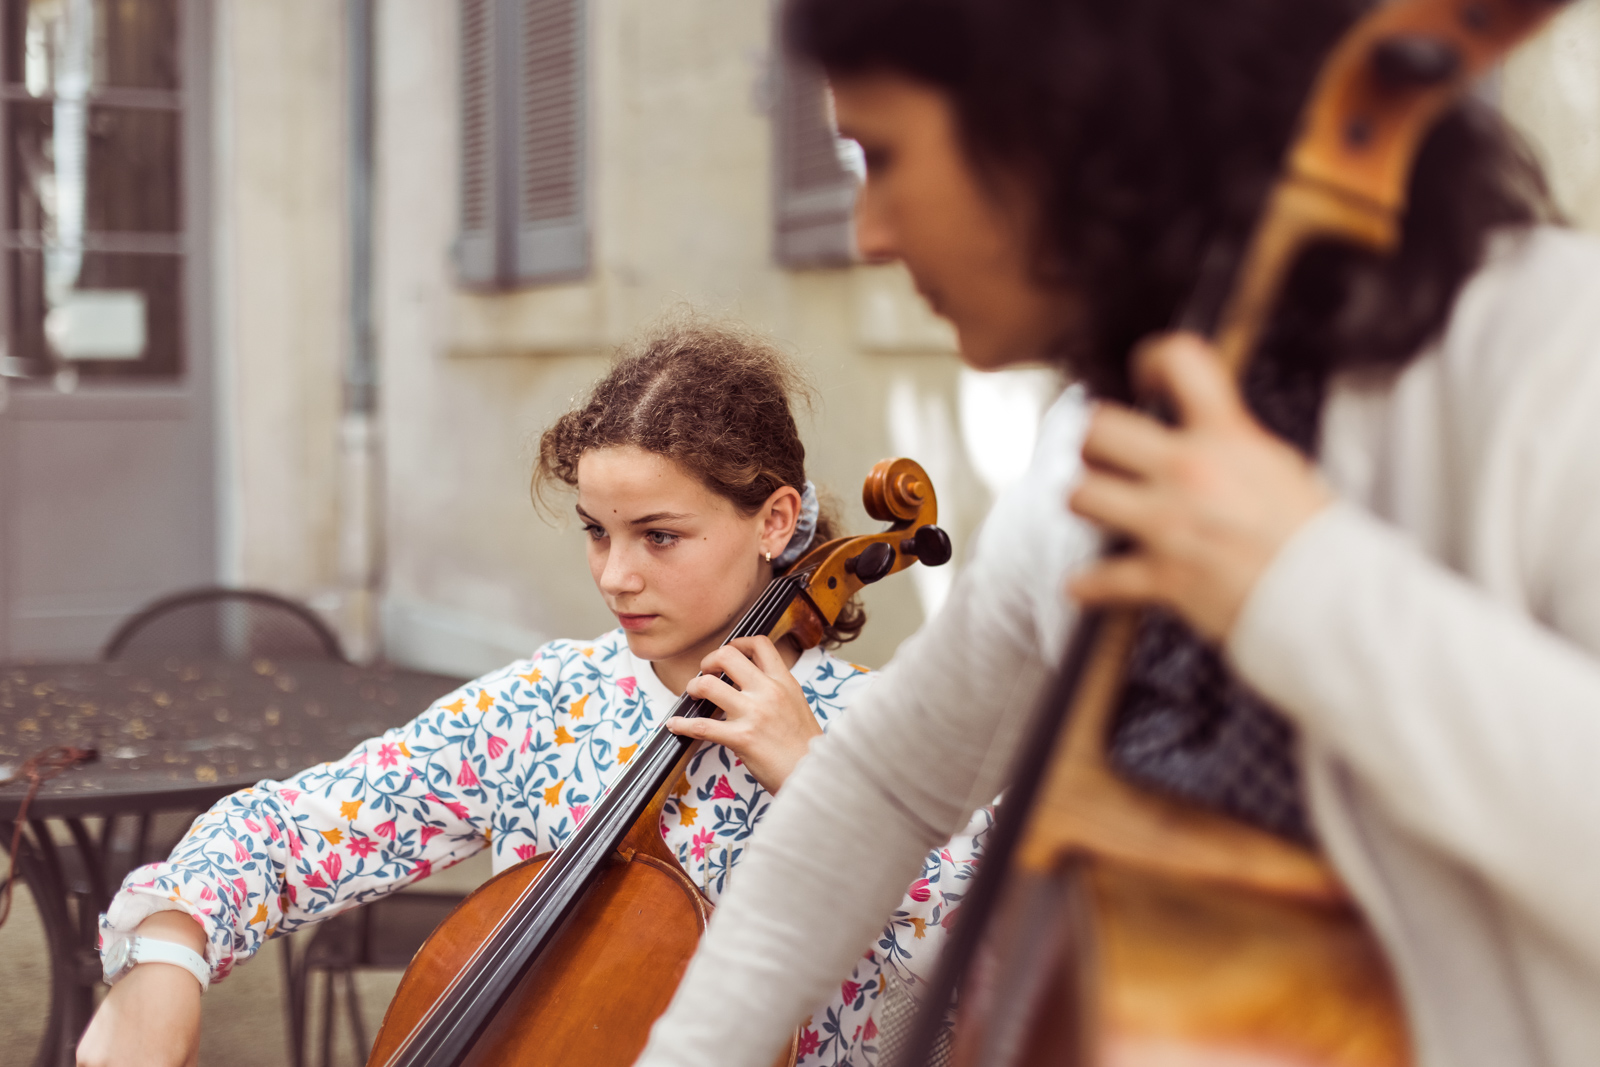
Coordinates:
(1376, 566)
(691, 487)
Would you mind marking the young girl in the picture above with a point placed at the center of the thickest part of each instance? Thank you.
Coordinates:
(691, 488)
(1378, 560)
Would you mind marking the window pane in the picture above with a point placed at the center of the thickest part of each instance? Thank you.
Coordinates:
(110, 170)
(123, 319)
(51, 45)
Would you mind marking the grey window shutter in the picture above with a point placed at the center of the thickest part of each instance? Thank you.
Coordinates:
(552, 224)
(815, 194)
(523, 210)
(476, 261)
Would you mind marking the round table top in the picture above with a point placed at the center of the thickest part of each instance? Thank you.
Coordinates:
(179, 731)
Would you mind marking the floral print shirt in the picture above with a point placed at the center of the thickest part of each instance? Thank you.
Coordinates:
(514, 761)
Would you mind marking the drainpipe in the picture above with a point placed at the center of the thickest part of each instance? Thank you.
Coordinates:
(361, 542)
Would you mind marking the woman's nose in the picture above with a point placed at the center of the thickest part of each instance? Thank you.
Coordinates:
(620, 576)
(875, 241)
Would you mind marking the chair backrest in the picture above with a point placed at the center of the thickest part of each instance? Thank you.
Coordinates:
(237, 624)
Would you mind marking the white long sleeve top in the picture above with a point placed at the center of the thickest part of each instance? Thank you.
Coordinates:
(1435, 635)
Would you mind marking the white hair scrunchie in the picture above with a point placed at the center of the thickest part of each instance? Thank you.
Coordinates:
(805, 529)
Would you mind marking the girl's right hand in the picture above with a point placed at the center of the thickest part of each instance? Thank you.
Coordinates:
(151, 1017)
(767, 722)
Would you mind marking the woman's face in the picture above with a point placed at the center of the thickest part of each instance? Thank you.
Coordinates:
(675, 562)
(966, 239)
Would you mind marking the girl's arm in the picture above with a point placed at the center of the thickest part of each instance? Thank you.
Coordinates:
(276, 856)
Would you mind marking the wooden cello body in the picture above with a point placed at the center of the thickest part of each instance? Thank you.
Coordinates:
(1112, 927)
(570, 957)
(623, 952)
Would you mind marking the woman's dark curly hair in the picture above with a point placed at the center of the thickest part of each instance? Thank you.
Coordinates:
(714, 398)
(1155, 127)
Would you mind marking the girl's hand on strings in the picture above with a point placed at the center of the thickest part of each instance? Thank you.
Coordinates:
(1207, 503)
(766, 720)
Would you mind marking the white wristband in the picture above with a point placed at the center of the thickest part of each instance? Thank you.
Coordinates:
(126, 955)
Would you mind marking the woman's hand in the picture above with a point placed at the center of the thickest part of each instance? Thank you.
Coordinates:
(1208, 503)
(151, 1018)
(766, 720)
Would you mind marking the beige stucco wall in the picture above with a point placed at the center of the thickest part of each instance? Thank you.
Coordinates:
(279, 216)
(1551, 90)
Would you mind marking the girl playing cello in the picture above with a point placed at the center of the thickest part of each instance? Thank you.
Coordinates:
(690, 482)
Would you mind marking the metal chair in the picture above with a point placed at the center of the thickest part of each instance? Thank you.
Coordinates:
(224, 624)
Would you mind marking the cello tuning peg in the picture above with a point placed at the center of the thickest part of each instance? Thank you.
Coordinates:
(874, 562)
(929, 544)
(1414, 61)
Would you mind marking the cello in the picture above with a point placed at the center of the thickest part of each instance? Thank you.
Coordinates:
(1114, 926)
(569, 958)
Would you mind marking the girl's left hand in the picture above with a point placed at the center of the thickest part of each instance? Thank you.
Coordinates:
(766, 720)
(1208, 503)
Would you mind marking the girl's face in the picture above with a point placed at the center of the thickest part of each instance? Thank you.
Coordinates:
(966, 238)
(675, 562)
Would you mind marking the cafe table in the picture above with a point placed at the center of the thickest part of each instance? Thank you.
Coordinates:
(170, 735)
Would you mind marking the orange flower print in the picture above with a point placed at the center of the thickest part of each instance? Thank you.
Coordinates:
(687, 815)
(563, 737)
(625, 753)
(485, 701)
(552, 795)
(576, 711)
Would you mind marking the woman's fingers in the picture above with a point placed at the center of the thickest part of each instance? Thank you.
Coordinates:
(1184, 369)
(705, 728)
(1116, 503)
(709, 687)
(1126, 441)
(729, 660)
(763, 653)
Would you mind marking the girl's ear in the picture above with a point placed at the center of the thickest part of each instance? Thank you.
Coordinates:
(779, 515)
